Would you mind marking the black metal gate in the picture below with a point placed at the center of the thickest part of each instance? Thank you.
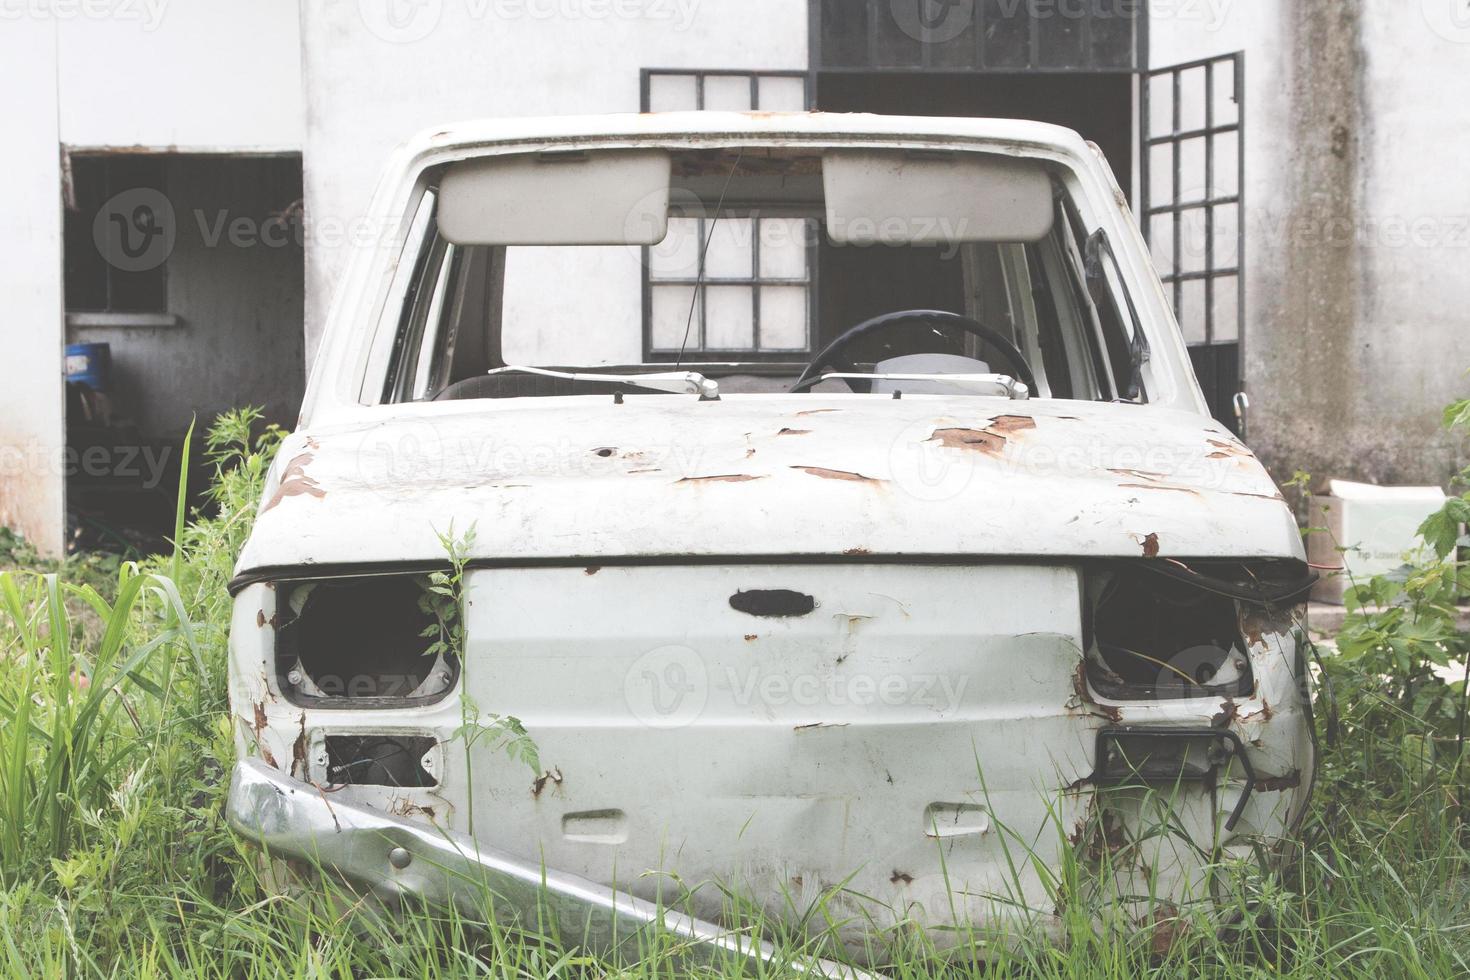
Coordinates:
(1193, 183)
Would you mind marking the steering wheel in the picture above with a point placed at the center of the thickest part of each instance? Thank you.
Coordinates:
(835, 353)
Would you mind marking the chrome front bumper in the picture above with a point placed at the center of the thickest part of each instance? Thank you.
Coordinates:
(395, 858)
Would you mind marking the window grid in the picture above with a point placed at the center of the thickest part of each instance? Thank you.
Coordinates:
(1176, 207)
(757, 282)
(700, 76)
(697, 330)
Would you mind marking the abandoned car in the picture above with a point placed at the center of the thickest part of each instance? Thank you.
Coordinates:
(819, 509)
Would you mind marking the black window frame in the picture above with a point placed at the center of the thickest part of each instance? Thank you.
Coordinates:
(80, 254)
(697, 351)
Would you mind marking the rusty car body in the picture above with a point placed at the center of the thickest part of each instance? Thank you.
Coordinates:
(902, 641)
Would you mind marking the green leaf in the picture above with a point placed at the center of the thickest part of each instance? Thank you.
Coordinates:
(1441, 530)
(1457, 416)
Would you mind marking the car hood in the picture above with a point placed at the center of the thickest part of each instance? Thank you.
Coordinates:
(668, 478)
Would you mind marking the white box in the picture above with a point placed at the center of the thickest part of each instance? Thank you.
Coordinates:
(1376, 526)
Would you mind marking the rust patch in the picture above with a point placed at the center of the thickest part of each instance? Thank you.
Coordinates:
(990, 440)
(750, 637)
(295, 482)
(1229, 711)
(1167, 929)
(1279, 784)
(260, 719)
(407, 808)
(1229, 450)
(901, 877)
(1111, 712)
(794, 432)
(550, 776)
(1157, 486)
(1007, 424)
(857, 552)
(977, 440)
(1256, 622)
(724, 478)
(298, 751)
(1108, 838)
(591, 569)
(1265, 714)
(826, 474)
(260, 619)
(1151, 546)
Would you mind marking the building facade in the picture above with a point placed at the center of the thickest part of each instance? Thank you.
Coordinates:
(1296, 165)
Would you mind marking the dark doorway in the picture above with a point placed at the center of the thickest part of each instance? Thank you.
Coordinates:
(1097, 105)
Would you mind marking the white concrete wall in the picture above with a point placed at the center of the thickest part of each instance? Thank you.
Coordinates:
(377, 71)
(153, 74)
(32, 419)
(190, 74)
(1358, 225)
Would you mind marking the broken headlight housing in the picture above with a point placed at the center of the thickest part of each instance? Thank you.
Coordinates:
(359, 642)
(1159, 628)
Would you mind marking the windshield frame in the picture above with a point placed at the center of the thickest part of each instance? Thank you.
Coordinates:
(341, 381)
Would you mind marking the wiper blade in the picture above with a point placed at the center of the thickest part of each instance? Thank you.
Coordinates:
(674, 382)
(1013, 389)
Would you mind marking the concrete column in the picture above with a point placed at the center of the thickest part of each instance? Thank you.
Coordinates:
(32, 384)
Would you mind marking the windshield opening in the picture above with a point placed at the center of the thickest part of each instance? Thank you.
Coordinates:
(767, 269)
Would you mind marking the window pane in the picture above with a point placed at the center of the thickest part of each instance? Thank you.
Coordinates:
(1161, 174)
(670, 315)
(1227, 111)
(1192, 311)
(729, 93)
(730, 323)
(783, 318)
(1192, 240)
(731, 242)
(1227, 309)
(1227, 236)
(677, 256)
(1192, 99)
(671, 93)
(1227, 165)
(1191, 170)
(783, 248)
(1161, 104)
(780, 93)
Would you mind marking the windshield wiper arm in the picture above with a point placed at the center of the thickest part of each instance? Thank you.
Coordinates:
(1015, 390)
(675, 382)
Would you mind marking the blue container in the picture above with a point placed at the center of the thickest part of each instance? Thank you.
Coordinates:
(89, 364)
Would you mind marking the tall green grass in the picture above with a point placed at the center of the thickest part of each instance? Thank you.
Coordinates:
(114, 860)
